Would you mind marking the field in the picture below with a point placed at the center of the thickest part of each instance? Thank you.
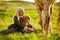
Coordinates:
(7, 12)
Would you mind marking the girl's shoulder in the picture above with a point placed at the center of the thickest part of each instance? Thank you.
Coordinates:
(29, 25)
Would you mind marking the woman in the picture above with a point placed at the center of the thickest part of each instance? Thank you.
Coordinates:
(16, 27)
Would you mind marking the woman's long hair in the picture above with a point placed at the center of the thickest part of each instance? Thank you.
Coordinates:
(19, 10)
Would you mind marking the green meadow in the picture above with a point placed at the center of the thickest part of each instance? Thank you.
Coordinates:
(7, 12)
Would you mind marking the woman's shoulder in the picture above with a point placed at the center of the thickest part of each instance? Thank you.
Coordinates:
(15, 16)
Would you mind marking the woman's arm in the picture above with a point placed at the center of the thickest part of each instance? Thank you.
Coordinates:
(17, 23)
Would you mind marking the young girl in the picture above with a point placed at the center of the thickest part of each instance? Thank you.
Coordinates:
(28, 27)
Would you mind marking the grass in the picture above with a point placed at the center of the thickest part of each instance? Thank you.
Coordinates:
(6, 19)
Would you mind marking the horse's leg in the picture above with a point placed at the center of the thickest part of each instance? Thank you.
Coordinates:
(41, 19)
(46, 21)
(50, 24)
